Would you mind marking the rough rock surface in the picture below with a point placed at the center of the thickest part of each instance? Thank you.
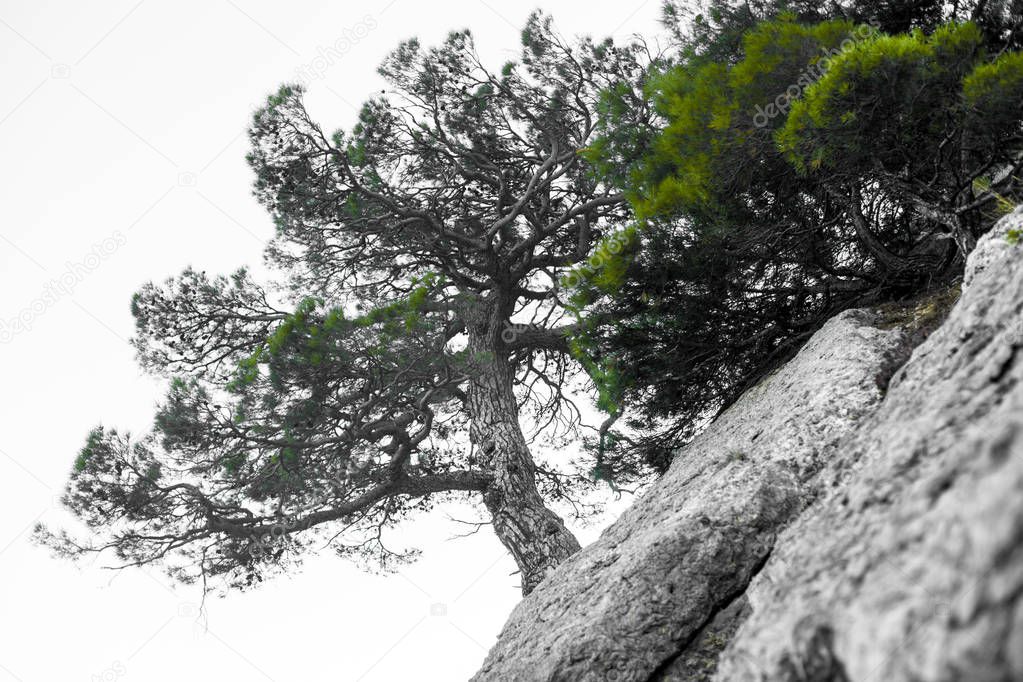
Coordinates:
(910, 567)
(630, 601)
(836, 523)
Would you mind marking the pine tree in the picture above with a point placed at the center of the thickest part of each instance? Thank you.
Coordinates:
(795, 170)
(423, 251)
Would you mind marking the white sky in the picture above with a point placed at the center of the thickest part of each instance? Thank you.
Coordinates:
(124, 121)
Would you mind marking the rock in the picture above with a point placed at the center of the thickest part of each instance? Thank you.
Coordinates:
(627, 605)
(821, 528)
(910, 565)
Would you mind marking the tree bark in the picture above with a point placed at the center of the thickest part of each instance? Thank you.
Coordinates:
(536, 537)
(888, 260)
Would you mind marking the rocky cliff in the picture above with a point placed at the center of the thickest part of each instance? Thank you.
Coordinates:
(856, 516)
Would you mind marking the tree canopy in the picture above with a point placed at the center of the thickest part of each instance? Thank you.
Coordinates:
(422, 253)
(800, 170)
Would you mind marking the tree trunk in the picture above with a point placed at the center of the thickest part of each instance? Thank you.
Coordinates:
(536, 537)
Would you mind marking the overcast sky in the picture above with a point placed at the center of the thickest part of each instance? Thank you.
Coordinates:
(122, 135)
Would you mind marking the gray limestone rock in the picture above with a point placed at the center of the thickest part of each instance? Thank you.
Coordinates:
(626, 605)
(910, 565)
(836, 523)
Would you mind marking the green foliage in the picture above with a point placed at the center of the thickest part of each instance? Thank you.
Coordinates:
(907, 118)
(602, 273)
(312, 336)
(1002, 204)
(682, 315)
(604, 270)
(714, 29)
(801, 168)
(881, 101)
(92, 444)
(993, 91)
(624, 127)
(603, 371)
(719, 115)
